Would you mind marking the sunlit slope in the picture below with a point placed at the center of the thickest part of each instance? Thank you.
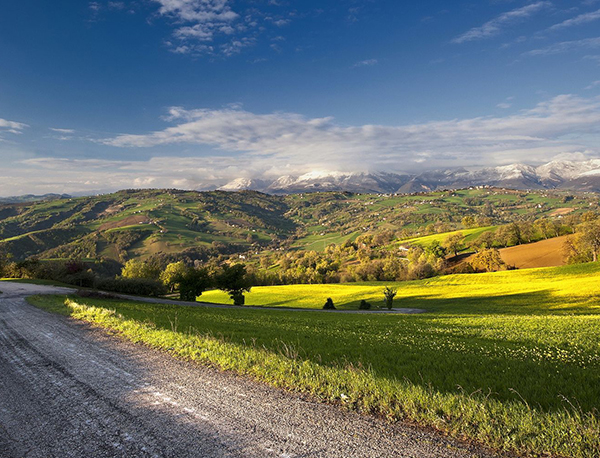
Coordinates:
(568, 289)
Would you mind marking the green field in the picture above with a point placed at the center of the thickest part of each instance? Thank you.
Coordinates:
(569, 289)
(511, 359)
(426, 240)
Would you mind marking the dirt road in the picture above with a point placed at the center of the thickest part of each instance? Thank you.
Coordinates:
(67, 390)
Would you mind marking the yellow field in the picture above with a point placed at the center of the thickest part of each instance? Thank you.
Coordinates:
(558, 288)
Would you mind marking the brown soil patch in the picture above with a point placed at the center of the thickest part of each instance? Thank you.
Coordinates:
(129, 221)
(113, 209)
(546, 253)
(562, 211)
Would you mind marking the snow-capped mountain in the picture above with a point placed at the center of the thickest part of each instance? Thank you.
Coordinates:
(378, 182)
(241, 184)
(572, 175)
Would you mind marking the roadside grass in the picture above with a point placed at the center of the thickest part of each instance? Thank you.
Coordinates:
(511, 360)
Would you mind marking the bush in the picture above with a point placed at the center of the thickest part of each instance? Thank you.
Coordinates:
(389, 294)
(364, 305)
(329, 304)
(136, 286)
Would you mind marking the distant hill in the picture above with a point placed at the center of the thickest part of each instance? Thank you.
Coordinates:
(32, 198)
(141, 223)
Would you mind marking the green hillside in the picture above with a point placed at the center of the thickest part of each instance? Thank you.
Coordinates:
(141, 223)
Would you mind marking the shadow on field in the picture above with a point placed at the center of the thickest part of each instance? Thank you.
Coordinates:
(536, 302)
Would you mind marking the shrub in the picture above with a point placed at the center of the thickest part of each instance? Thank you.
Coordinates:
(389, 294)
(364, 305)
(137, 286)
(329, 304)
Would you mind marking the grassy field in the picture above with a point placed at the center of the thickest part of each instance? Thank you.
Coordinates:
(470, 234)
(510, 359)
(568, 289)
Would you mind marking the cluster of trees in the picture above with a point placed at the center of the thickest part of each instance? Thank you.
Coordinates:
(136, 277)
(584, 245)
(192, 281)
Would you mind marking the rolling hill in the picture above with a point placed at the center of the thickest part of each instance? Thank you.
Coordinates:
(140, 223)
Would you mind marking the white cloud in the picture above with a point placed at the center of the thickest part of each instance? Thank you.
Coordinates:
(366, 63)
(565, 46)
(495, 26)
(62, 131)
(200, 11)
(292, 140)
(12, 127)
(578, 20)
(41, 175)
(593, 85)
(208, 27)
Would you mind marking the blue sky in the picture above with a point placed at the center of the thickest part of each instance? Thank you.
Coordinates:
(104, 95)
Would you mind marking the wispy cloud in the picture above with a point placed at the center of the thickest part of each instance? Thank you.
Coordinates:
(496, 25)
(593, 58)
(578, 20)
(12, 127)
(366, 63)
(62, 131)
(565, 46)
(593, 85)
(291, 139)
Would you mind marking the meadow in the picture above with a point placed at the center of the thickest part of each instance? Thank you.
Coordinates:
(426, 240)
(509, 359)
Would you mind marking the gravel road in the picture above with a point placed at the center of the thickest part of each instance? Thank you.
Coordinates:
(68, 390)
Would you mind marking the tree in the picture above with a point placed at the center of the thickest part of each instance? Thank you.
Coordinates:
(139, 269)
(546, 228)
(469, 222)
(527, 230)
(234, 281)
(589, 237)
(192, 283)
(484, 242)
(172, 274)
(389, 294)
(488, 260)
(454, 243)
(508, 235)
(435, 249)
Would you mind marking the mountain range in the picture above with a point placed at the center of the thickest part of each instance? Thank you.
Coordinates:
(559, 174)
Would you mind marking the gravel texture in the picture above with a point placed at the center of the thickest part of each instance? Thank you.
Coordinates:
(69, 390)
